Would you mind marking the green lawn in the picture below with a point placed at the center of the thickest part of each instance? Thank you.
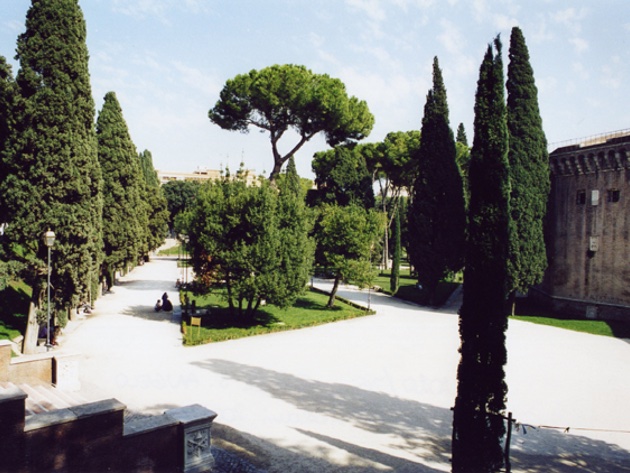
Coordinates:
(172, 251)
(408, 288)
(14, 310)
(539, 315)
(220, 325)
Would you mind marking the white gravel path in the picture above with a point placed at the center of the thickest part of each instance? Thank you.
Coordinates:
(366, 395)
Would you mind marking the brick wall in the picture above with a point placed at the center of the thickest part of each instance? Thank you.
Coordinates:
(94, 438)
(589, 223)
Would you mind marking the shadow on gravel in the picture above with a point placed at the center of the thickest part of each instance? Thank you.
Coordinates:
(147, 312)
(159, 286)
(418, 427)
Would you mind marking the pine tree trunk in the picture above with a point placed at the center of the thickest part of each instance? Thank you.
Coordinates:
(29, 345)
(333, 292)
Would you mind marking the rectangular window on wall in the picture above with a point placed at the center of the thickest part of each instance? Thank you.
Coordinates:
(580, 198)
(613, 195)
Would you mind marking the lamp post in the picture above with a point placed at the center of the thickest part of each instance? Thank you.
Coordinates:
(49, 240)
(186, 240)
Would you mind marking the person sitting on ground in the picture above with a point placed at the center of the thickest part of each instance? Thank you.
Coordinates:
(158, 305)
(167, 306)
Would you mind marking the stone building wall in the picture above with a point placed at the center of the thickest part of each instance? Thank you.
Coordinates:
(589, 229)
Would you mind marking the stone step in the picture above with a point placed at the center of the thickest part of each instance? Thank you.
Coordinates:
(45, 398)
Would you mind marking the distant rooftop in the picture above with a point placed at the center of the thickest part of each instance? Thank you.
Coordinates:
(199, 174)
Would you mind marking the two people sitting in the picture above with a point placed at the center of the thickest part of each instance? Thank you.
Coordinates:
(164, 304)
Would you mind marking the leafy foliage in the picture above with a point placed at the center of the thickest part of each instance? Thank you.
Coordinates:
(124, 211)
(395, 276)
(437, 220)
(8, 96)
(481, 389)
(155, 201)
(342, 178)
(52, 175)
(282, 97)
(347, 240)
(247, 238)
(180, 196)
(529, 170)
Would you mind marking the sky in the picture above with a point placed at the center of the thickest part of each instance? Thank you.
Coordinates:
(167, 61)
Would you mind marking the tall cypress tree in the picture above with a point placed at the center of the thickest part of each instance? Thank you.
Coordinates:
(54, 180)
(529, 170)
(481, 389)
(296, 247)
(8, 95)
(437, 219)
(122, 190)
(156, 202)
(394, 279)
(149, 172)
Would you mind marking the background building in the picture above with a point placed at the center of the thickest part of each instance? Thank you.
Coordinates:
(589, 228)
(199, 174)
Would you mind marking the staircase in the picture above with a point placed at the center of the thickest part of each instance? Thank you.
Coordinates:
(43, 398)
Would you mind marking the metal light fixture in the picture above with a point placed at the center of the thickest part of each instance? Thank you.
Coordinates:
(49, 240)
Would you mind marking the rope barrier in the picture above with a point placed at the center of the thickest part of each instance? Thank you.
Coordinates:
(588, 429)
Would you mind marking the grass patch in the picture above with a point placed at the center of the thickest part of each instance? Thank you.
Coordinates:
(219, 325)
(540, 315)
(14, 309)
(172, 251)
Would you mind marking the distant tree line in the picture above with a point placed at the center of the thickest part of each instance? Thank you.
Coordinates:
(63, 171)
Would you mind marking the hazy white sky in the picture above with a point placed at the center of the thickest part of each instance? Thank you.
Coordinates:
(167, 61)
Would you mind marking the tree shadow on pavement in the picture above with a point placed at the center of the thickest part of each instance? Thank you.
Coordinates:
(147, 312)
(159, 286)
(418, 427)
(273, 458)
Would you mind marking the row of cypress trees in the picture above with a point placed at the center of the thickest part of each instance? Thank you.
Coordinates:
(60, 172)
(505, 250)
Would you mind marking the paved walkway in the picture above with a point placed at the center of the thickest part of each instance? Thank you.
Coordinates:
(366, 395)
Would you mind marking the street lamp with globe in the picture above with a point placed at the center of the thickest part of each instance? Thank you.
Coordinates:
(49, 240)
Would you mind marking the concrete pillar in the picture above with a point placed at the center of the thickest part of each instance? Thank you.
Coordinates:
(195, 425)
(66, 372)
(5, 360)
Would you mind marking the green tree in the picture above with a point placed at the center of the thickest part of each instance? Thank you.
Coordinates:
(53, 175)
(242, 240)
(395, 275)
(157, 205)
(148, 171)
(529, 171)
(282, 97)
(180, 196)
(123, 199)
(347, 239)
(394, 169)
(8, 96)
(437, 219)
(296, 246)
(342, 177)
(463, 158)
(481, 389)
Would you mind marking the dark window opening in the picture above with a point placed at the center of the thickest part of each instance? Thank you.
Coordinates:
(613, 195)
(581, 197)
